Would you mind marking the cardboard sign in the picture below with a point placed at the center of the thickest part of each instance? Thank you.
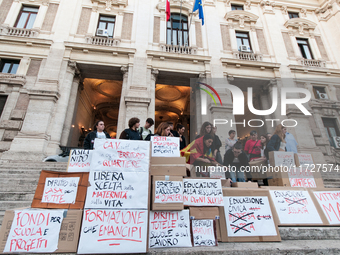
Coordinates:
(165, 146)
(79, 160)
(216, 174)
(282, 158)
(305, 160)
(203, 233)
(295, 207)
(169, 229)
(120, 155)
(202, 192)
(113, 231)
(301, 177)
(329, 202)
(34, 231)
(62, 190)
(168, 191)
(117, 190)
(248, 216)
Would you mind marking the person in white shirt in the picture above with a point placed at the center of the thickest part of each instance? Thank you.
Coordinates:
(231, 140)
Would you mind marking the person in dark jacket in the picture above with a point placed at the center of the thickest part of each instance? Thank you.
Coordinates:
(132, 132)
(215, 147)
(180, 131)
(235, 158)
(277, 141)
(98, 132)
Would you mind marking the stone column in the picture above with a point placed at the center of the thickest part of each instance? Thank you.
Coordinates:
(152, 107)
(122, 109)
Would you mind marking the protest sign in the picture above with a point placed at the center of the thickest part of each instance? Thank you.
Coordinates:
(79, 160)
(168, 192)
(120, 155)
(34, 231)
(301, 177)
(169, 229)
(281, 158)
(202, 192)
(62, 190)
(117, 190)
(203, 233)
(304, 159)
(329, 202)
(295, 207)
(216, 173)
(113, 231)
(165, 146)
(248, 216)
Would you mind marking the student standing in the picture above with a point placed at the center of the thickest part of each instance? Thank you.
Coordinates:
(131, 133)
(145, 131)
(98, 132)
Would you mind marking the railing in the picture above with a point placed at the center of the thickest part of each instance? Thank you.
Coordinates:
(20, 32)
(103, 41)
(312, 63)
(248, 56)
(178, 49)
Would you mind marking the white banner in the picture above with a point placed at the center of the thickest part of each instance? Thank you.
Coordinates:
(117, 190)
(329, 202)
(168, 192)
(169, 229)
(249, 216)
(165, 146)
(34, 231)
(60, 190)
(80, 160)
(203, 233)
(113, 231)
(295, 207)
(121, 155)
(202, 192)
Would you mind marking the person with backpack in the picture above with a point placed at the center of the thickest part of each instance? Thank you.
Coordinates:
(145, 131)
(253, 146)
(132, 132)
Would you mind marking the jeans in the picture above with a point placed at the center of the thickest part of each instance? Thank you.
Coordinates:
(238, 174)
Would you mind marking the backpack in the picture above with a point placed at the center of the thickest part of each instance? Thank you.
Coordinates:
(141, 130)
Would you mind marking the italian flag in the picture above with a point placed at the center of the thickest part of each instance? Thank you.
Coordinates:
(167, 10)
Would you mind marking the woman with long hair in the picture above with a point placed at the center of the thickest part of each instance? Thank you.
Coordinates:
(277, 141)
(163, 129)
(205, 129)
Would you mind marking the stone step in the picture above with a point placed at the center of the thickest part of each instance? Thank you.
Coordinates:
(16, 196)
(18, 185)
(310, 233)
(6, 205)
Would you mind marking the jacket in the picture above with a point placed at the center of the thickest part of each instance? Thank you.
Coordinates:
(89, 139)
(273, 145)
(229, 158)
(130, 134)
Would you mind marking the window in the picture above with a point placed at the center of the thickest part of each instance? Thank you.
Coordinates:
(243, 39)
(9, 66)
(26, 17)
(304, 48)
(235, 7)
(108, 23)
(177, 32)
(320, 93)
(293, 15)
(2, 103)
(331, 129)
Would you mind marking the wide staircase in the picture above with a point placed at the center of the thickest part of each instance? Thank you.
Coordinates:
(19, 180)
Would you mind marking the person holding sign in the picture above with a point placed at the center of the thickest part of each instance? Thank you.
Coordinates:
(132, 132)
(277, 142)
(98, 132)
(162, 130)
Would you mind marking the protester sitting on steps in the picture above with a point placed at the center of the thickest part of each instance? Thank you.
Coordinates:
(98, 132)
(131, 133)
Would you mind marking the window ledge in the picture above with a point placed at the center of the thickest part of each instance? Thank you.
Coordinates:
(312, 62)
(19, 32)
(248, 56)
(178, 49)
(12, 79)
(102, 41)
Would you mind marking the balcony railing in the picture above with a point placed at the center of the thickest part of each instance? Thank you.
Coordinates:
(20, 32)
(178, 49)
(312, 63)
(102, 41)
(248, 56)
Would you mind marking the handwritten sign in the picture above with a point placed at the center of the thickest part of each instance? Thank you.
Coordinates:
(202, 192)
(34, 231)
(301, 177)
(113, 231)
(165, 146)
(62, 190)
(284, 158)
(117, 190)
(329, 201)
(80, 160)
(121, 155)
(203, 233)
(305, 159)
(214, 173)
(169, 229)
(248, 216)
(168, 192)
(295, 207)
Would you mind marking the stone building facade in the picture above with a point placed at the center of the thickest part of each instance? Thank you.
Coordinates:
(66, 64)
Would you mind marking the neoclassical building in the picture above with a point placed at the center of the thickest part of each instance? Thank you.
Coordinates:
(65, 64)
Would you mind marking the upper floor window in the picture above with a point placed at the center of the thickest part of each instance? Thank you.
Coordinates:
(243, 41)
(9, 66)
(177, 30)
(106, 25)
(235, 7)
(320, 92)
(304, 48)
(26, 17)
(2, 103)
(293, 15)
(332, 129)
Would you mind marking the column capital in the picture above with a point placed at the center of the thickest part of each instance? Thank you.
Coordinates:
(154, 74)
